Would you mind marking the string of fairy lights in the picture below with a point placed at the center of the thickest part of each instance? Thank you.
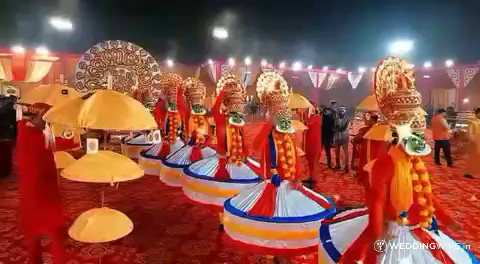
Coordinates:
(295, 66)
(299, 66)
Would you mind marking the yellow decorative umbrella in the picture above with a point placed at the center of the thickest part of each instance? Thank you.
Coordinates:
(297, 101)
(100, 225)
(63, 159)
(298, 125)
(379, 132)
(105, 110)
(51, 94)
(369, 104)
(103, 167)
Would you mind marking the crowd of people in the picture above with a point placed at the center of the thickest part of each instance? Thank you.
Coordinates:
(336, 123)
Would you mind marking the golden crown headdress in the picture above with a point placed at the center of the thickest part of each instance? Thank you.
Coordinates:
(272, 89)
(234, 93)
(169, 83)
(195, 91)
(397, 97)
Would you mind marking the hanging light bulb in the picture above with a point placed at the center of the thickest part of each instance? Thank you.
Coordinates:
(231, 62)
(18, 49)
(297, 66)
(264, 63)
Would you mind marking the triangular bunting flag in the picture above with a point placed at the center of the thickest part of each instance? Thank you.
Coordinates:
(314, 78)
(354, 78)
(321, 78)
(225, 69)
(197, 72)
(332, 78)
(468, 75)
(246, 76)
(454, 74)
(213, 71)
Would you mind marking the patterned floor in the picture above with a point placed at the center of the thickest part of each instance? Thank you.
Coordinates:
(169, 228)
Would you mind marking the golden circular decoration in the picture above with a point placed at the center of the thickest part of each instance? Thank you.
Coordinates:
(67, 134)
(129, 65)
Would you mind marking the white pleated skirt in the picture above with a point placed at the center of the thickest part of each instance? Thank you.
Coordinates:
(402, 248)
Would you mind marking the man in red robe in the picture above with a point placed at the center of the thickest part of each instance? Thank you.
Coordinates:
(40, 206)
(370, 149)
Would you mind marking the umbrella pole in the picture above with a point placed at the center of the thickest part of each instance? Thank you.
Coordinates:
(105, 140)
(102, 197)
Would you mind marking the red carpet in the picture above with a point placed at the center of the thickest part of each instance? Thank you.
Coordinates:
(169, 228)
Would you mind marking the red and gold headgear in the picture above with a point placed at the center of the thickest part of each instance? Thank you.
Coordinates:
(195, 92)
(272, 89)
(234, 93)
(169, 83)
(399, 101)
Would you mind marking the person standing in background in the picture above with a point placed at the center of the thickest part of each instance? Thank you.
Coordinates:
(441, 135)
(313, 136)
(473, 165)
(328, 124)
(451, 117)
(341, 137)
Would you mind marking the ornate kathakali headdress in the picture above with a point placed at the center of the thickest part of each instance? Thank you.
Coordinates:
(272, 89)
(195, 92)
(169, 83)
(234, 99)
(399, 102)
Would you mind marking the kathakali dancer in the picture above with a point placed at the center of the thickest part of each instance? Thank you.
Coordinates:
(169, 114)
(214, 179)
(280, 213)
(196, 127)
(400, 225)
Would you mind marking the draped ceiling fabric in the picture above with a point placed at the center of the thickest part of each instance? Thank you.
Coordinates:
(443, 98)
(25, 68)
(37, 69)
(5, 68)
